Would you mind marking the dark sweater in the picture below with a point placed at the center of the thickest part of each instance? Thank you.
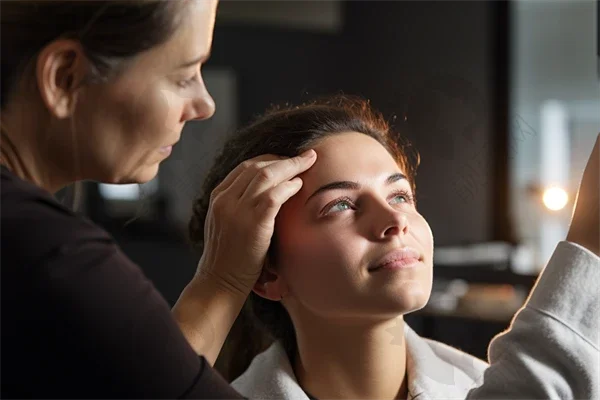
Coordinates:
(79, 319)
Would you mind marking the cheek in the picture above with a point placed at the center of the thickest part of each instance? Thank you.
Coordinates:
(424, 236)
(422, 232)
(157, 117)
(317, 263)
(108, 121)
(301, 256)
(148, 112)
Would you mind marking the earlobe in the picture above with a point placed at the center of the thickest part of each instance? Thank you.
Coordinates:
(270, 285)
(60, 70)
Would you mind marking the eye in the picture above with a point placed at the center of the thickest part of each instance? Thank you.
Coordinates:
(187, 82)
(401, 196)
(338, 205)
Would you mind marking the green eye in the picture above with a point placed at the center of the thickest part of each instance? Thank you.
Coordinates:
(401, 199)
(338, 205)
(341, 206)
(401, 196)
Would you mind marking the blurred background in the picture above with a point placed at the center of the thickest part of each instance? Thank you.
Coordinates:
(501, 99)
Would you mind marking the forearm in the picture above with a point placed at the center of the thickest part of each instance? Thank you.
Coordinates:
(205, 312)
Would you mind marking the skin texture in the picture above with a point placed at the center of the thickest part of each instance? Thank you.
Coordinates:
(324, 247)
(114, 132)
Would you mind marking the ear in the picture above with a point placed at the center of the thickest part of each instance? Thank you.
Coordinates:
(270, 284)
(60, 70)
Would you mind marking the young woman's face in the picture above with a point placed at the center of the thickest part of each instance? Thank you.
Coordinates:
(129, 124)
(353, 212)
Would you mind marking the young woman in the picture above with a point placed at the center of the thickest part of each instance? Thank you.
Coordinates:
(350, 255)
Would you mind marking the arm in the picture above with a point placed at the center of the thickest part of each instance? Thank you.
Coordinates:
(206, 311)
(552, 347)
(79, 319)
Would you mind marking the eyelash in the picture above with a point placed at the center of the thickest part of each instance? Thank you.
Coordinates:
(407, 196)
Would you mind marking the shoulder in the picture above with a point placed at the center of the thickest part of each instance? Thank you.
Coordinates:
(35, 226)
(270, 376)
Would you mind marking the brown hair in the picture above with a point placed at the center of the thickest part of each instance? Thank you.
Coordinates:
(286, 131)
(110, 33)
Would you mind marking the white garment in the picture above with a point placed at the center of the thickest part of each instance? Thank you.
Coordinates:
(550, 351)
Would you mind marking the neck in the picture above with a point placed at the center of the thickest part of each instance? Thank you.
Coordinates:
(25, 153)
(352, 360)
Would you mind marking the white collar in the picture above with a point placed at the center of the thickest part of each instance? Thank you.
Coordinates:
(435, 371)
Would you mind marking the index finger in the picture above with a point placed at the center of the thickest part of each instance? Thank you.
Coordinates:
(278, 172)
(241, 167)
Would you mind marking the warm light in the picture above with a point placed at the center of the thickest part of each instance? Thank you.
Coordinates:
(555, 198)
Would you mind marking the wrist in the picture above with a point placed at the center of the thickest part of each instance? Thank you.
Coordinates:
(213, 283)
(205, 312)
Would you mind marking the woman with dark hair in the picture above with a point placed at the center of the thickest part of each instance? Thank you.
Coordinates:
(99, 90)
(350, 255)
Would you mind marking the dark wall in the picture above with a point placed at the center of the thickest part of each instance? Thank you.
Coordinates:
(432, 63)
(276, 66)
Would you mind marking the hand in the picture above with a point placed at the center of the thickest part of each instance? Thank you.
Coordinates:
(241, 218)
(585, 224)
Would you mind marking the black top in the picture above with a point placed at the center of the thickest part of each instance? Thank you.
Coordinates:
(79, 319)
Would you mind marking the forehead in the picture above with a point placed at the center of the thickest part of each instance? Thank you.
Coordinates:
(191, 39)
(349, 156)
(196, 25)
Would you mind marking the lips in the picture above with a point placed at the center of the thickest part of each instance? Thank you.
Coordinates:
(404, 257)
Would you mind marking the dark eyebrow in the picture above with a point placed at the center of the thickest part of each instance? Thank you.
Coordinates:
(352, 185)
(188, 64)
(395, 178)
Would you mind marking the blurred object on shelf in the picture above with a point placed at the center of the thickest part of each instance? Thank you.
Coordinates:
(493, 254)
(445, 295)
(522, 260)
(495, 302)
(487, 257)
(491, 301)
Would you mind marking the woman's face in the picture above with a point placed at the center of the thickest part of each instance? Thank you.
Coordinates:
(128, 125)
(354, 210)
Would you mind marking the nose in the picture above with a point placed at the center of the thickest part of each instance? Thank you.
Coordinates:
(391, 223)
(202, 105)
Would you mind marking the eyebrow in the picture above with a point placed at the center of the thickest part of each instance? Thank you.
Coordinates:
(349, 185)
(188, 64)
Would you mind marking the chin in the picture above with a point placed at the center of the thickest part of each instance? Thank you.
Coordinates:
(411, 298)
(415, 306)
(147, 174)
(142, 175)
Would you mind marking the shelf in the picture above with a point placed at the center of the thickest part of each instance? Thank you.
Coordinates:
(484, 274)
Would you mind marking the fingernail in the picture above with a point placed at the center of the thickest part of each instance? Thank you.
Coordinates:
(308, 154)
